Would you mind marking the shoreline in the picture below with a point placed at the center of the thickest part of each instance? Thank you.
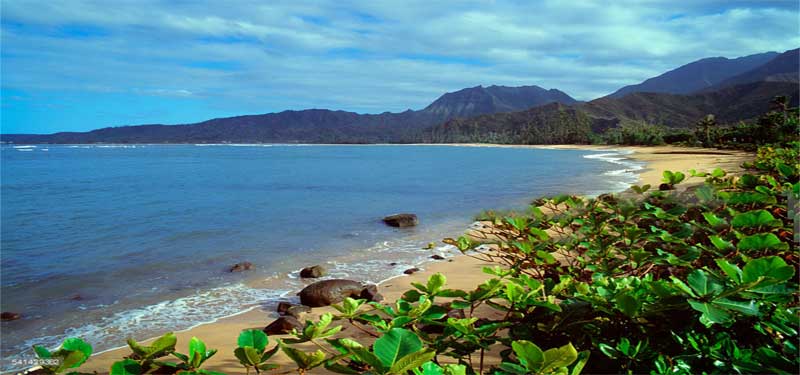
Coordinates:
(462, 271)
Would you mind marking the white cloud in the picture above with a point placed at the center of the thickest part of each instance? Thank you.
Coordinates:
(369, 56)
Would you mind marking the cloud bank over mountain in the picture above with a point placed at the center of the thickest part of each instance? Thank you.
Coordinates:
(79, 65)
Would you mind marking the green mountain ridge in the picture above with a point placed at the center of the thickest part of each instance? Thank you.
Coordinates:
(582, 123)
(497, 114)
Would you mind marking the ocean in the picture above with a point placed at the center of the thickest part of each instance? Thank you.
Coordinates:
(104, 242)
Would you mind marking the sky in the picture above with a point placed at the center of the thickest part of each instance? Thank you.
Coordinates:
(75, 65)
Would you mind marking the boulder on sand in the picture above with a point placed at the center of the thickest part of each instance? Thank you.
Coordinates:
(328, 292)
(297, 311)
(313, 272)
(283, 325)
(411, 271)
(283, 307)
(370, 293)
(401, 220)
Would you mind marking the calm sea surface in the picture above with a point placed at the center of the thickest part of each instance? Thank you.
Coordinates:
(105, 242)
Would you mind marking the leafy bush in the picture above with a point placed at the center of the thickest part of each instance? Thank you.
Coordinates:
(72, 353)
(662, 282)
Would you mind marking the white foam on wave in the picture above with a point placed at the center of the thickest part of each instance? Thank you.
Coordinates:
(623, 178)
(233, 144)
(150, 321)
(373, 265)
(105, 146)
(24, 147)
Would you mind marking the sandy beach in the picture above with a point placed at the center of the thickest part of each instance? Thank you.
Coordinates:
(461, 271)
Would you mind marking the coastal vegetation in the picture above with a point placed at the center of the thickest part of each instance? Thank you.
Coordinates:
(659, 281)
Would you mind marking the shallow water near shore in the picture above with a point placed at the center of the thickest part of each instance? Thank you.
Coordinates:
(109, 241)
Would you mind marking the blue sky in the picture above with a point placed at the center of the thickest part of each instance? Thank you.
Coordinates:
(74, 65)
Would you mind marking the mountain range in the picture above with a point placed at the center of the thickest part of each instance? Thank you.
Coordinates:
(732, 89)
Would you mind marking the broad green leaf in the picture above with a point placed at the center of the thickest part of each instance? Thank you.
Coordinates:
(546, 257)
(628, 304)
(747, 308)
(163, 345)
(559, 357)
(756, 218)
(76, 344)
(528, 354)
(197, 351)
(540, 234)
(711, 313)
(369, 358)
(349, 306)
(514, 292)
(514, 368)
(583, 358)
(71, 359)
(682, 286)
(720, 244)
(609, 351)
(761, 241)
(524, 247)
(253, 338)
(519, 223)
(745, 197)
(302, 359)
(253, 355)
(733, 271)
(772, 267)
(714, 220)
(241, 355)
(396, 344)
(412, 361)
(267, 354)
(453, 369)
(41, 352)
(702, 284)
(138, 349)
(430, 368)
(435, 283)
(340, 368)
(126, 367)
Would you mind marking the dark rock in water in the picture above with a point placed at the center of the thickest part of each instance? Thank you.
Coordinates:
(401, 220)
(76, 297)
(411, 271)
(283, 307)
(393, 264)
(327, 292)
(313, 272)
(437, 257)
(243, 266)
(7, 316)
(663, 187)
(298, 311)
(283, 325)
